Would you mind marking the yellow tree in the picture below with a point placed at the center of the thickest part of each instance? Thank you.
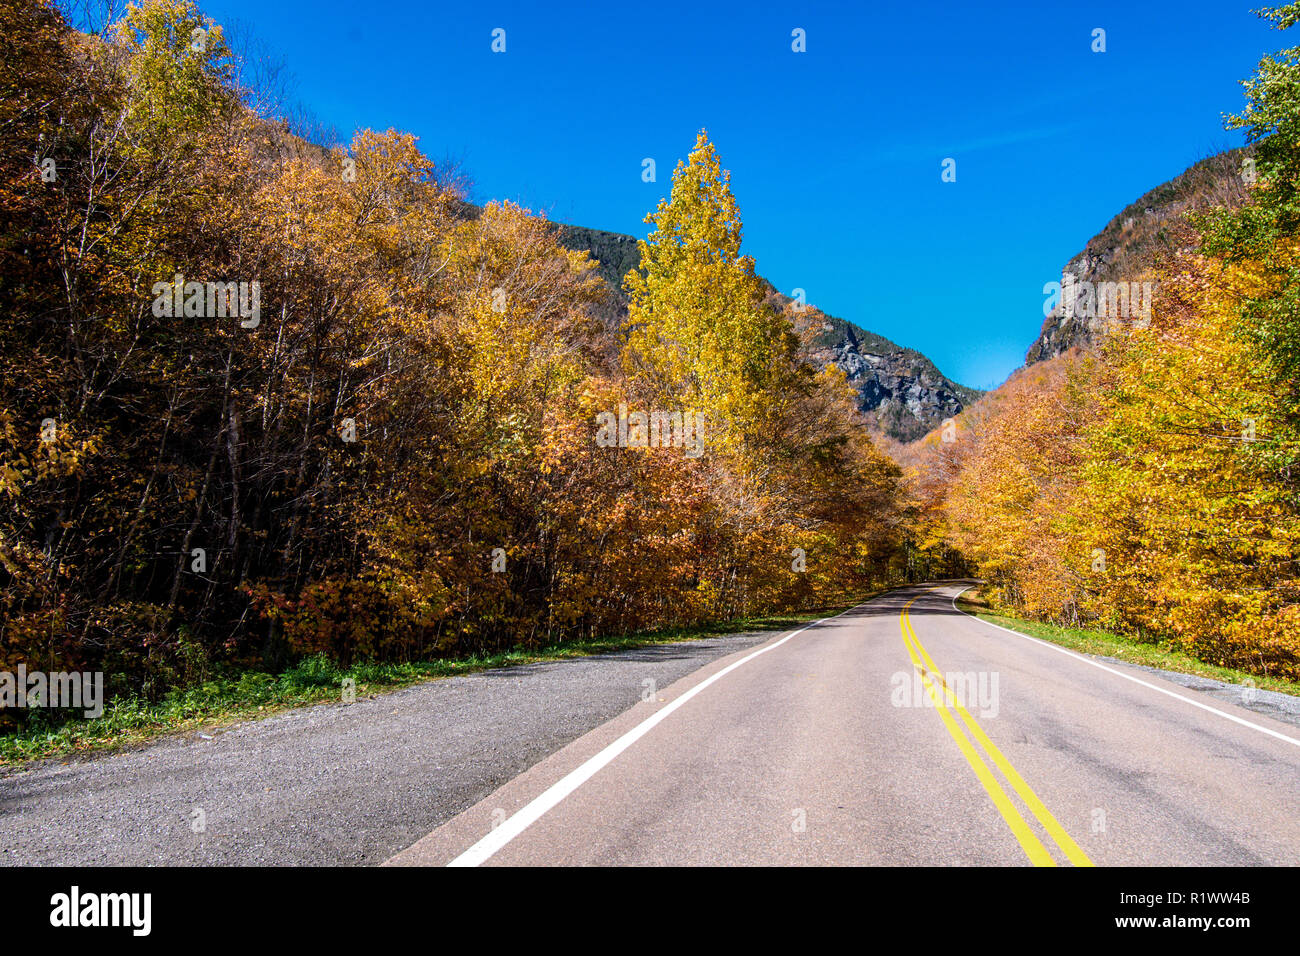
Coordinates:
(699, 329)
(1200, 537)
(1012, 488)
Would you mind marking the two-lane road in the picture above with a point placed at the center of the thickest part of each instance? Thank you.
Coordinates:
(902, 732)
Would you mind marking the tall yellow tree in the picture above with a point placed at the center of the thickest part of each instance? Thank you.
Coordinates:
(699, 329)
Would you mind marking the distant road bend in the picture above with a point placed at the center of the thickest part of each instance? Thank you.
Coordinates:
(900, 732)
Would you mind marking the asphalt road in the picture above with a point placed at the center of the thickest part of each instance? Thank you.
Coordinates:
(827, 747)
(902, 732)
(329, 784)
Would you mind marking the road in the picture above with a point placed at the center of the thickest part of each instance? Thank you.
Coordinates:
(328, 785)
(828, 747)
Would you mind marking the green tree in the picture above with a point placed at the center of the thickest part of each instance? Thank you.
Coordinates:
(1263, 230)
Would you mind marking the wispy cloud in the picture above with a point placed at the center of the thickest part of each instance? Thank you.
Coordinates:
(999, 140)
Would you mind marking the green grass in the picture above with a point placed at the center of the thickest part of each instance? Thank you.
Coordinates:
(130, 721)
(1106, 644)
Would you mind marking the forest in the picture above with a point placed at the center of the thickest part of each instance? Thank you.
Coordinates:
(266, 397)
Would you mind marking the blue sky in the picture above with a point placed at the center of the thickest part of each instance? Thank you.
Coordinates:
(835, 153)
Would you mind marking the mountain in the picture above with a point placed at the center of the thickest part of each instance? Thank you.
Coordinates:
(1149, 230)
(900, 391)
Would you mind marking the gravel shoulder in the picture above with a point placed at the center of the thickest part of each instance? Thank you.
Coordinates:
(1271, 703)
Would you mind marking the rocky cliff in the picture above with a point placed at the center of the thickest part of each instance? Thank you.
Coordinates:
(1146, 232)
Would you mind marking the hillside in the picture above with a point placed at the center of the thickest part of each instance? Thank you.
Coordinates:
(263, 403)
(1145, 232)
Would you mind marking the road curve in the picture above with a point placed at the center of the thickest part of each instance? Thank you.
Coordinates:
(902, 732)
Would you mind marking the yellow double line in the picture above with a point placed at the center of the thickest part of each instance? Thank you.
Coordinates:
(946, 703)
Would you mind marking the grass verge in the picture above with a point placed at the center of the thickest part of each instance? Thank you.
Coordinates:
(130, 721)
(1106, 644)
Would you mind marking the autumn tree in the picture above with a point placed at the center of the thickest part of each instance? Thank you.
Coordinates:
(700, 332)
(396, 457)
(1264, 231)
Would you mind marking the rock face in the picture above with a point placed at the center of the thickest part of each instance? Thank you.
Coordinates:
(1092, 303)
(1068, 326)
(900, 391)
(1147, 232)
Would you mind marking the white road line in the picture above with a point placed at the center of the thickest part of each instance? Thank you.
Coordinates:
(539, 805)
(1137, 680)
